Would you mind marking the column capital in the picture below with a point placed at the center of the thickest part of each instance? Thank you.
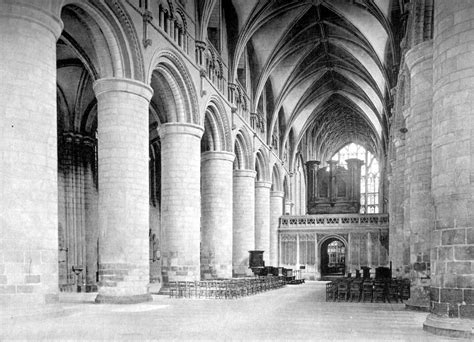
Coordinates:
(418, 54)
(45, 13)
(126, 85)
(263, 184)
(200, 45)
(245, 173)
(280, 194)
(218, 155)
(180, 128)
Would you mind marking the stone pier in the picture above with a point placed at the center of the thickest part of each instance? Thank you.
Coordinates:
(28, 150)
(418, 170)
(243, 220)
(452, 257)
(276, 210)
(216, 218)
(262, 218)
(181, 200)
(123, 190)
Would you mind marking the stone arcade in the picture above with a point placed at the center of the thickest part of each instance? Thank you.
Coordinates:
(148, 141)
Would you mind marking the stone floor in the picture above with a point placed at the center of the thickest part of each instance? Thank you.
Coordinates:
(297, 312)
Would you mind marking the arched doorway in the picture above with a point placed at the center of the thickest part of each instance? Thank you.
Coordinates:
(333, 257)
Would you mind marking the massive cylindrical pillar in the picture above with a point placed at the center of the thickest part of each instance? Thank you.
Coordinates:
(243, 220)
(122, 124)
(216, 219)
(28, 149)
(181, 200)
(262, 218)
(276, 210)
(452, 257)
(418, 169)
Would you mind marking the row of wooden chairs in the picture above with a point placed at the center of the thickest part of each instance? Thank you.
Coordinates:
(350, 289)
(224, 288)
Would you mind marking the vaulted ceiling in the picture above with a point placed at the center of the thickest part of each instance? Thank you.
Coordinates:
(329, 65)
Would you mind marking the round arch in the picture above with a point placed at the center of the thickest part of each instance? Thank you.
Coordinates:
(261, 166)
(111, 47)
(216, 126)
(168, 73)
(243, 151)
(277, 182)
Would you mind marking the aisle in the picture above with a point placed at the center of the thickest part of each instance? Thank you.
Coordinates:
(292, 313)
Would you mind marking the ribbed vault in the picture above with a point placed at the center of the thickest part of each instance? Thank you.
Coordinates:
(329, 66)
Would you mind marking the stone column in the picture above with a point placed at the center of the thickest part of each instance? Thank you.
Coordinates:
(216, 217)
(91, 210)
(28, 149)
(243, 220)
(276, 210)
(181, 200)
(452, 257)
(262, 217)
(123, 142)
(78, 215)
(418, 169)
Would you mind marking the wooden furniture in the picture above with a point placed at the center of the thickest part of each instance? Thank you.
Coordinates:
(380, 290)
(356, 290)
(367, 290)
(343, 289)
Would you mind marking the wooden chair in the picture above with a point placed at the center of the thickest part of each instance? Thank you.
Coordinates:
(380, 290)
(343, 289)
(182, 289)
(329, 291)
(367, 290)
(173, 289)
(355, 290)
(393, 290)
(405, 289)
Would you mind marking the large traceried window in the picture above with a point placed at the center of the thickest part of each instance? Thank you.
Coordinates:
(370, 176)
(336, 253)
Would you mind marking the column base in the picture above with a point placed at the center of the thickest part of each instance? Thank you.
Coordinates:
(216, 271)
(452, 327)
(419, 299)
(132, 299)
(416, 307)
(241, 271)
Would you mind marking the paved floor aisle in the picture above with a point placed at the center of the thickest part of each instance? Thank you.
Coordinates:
(291, 313)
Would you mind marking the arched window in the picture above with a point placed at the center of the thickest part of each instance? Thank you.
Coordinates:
(369, 176)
